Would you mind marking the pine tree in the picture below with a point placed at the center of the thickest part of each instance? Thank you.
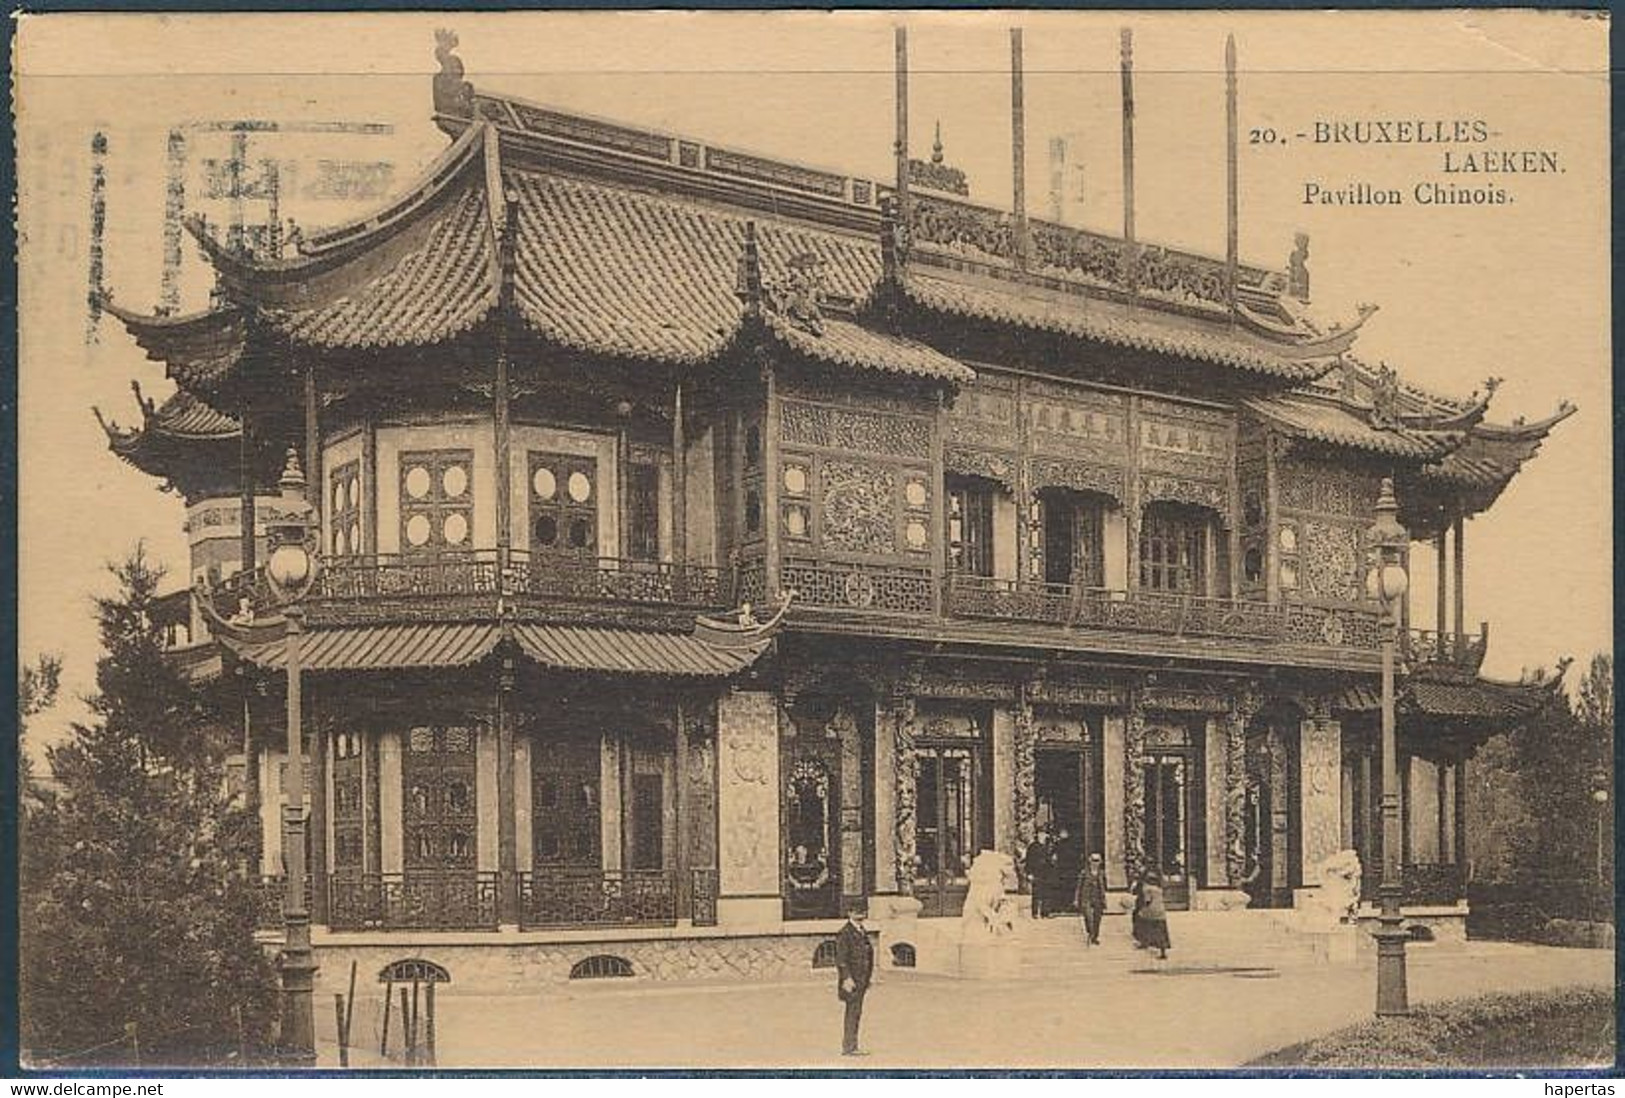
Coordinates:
(134, 908)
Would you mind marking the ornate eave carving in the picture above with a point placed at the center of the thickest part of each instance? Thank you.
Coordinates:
(1082, 476)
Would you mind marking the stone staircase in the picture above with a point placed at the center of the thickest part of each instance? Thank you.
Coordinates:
(1201, 939)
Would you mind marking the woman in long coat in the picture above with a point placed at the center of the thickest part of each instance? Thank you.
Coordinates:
(1151, 916)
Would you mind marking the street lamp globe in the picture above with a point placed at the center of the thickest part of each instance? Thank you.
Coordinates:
(1600, 796)
(291, 567)
(1395, 582)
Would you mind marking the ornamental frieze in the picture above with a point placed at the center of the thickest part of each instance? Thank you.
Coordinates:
(964, 686)
(1177, 489)
(855, 431)
(858, 507)
(1083, 476)
(980, 463)
(1182, 700)
(1051, 692)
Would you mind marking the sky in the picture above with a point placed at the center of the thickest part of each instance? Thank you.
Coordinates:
(1518, 290)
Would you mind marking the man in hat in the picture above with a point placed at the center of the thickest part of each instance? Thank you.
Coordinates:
(854, 968)
(1092, 897)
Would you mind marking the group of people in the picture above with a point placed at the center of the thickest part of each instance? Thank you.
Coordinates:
(1062, 880)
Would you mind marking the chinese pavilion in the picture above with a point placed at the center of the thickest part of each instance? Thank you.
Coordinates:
(1058, 531)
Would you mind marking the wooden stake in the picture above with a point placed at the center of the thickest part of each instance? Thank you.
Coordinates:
(338, 1028)
(389, 999)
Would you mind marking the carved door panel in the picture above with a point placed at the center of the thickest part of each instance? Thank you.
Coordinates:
(951, 824)
(812, 815)
(437, 773)
(566, 830)
(564, 508)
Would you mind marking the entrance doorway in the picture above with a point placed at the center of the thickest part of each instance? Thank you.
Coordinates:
(1064, 778)
(952, 823)
(1168, 823)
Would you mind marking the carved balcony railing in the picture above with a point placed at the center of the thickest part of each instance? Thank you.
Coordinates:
(986, 598)
(966, 230)
(557, 898)
(1421, 884)
(425, 900)
(1463, 650)
(381, 575)
(612, 579)
(702, 895)
(862, 587)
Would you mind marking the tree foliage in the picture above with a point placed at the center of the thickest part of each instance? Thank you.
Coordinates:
(37, 687)
(134, 905)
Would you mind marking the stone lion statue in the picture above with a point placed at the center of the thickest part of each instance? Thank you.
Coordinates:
(988, 910)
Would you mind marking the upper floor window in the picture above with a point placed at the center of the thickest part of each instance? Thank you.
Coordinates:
(1074, 546)
(564, 506)
(344, 516)
(643, 512)
(1173, 549)
(970, 527)
(437, 501)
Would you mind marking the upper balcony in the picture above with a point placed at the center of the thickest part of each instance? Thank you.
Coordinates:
(866, 599)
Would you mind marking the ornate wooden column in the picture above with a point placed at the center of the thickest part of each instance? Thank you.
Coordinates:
(1461, 587)
(1024, 741)
(246, 488)
(1244, 705)
(907, 774)
(507, 846)
(1441, 623)
(1134, 786)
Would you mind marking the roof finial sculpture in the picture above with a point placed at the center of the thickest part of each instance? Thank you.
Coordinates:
(798, 295)
(749, 286)
(1385, 398)
(1298, 268)
(936, 146)
(453, 95)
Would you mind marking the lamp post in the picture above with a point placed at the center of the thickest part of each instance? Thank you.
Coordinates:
(290, 571)
(1387, 583)
(1599, 797)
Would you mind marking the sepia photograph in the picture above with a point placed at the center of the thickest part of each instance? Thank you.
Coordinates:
(776, 540)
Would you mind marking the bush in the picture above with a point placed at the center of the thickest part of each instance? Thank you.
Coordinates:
(1566, 1027)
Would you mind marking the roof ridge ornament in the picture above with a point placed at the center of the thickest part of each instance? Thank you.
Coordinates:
(1385, 398)
(749, 285)
(1298, 268)
(453, 95)
(799, 295)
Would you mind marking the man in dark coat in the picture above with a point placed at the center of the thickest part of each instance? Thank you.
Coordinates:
(1068, 867)
(1092, 897)
(1039, 863)
(854, 968)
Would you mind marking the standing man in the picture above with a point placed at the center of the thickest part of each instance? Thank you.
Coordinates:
(854, 968)
(1092, 897)
(1039, 861)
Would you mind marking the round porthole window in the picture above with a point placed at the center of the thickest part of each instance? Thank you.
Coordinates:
(547, 530)
(795, 480)
(455, 529)
(418, 530)
(1289, 539)
(417, 482)
(580, 487)
(454, 481)
(580, 534)
(914, 534)
(915, 493)
(543, 483)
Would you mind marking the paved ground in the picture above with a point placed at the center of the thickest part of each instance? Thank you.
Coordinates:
(1108, 1007)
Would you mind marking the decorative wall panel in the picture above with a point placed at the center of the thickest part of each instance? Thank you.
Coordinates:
(1082, 476)
(748, 784)
(1331, 564)
(858, 507)
(1325, 489)
(1026, 799)
(906, 775)
(1320, 758)
(1134, 738)
(984, 415)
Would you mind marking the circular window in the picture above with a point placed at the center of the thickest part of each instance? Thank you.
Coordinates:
(795, 522)
(417, 529)
(1289, 539)
(454, 481)
(915, 493)
(455, 529)
(1289, 575)
(580, 487)
(580, 533)
(417, 482)
(543, 483)
(795, 480)
(914, 534)
(1252, 565)
(547, 530)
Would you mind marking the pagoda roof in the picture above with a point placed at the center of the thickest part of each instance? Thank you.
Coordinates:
(1312, 417)
(1442, 692)
(169, 438)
